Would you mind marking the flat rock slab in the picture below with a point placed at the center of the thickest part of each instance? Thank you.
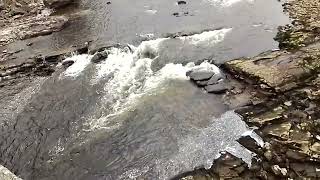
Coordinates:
(278, 70)
(31, 27)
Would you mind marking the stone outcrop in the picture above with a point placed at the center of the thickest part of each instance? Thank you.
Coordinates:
(31, 27)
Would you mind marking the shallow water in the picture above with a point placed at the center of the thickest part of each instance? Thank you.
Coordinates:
(254, 24)
(135, 114)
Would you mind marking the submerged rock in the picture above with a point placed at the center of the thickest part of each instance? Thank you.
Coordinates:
(67, 62)
(99, 56)
(216, 88)
(215, 79)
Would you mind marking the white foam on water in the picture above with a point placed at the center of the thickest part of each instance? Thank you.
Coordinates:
(226, 3)
(208, 37)
(80, 63)
(128, 75)
(200, 149)
(151, 11)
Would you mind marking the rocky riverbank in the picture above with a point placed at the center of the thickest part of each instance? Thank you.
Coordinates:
(285, 84)
(20, 20)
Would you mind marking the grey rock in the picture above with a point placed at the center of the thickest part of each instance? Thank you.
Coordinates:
(216, 88)
(200, 75)
(67, 62)
(99, 56)
(215, 79)
(250, 143)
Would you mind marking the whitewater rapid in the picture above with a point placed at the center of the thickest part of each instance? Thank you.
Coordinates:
(130, 84)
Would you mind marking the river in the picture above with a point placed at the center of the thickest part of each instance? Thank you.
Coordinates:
(135, 115)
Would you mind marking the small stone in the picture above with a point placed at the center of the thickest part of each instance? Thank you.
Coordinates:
(288, 103)
(200, 75)
(277, 170)
(268, 155)
(176, 14)
(216, 88)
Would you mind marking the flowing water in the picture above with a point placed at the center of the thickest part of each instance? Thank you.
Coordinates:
(136, 115)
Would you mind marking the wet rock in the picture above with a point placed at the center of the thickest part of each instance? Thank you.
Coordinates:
(278, 130)
(216, 88)
(251, 144)
(200, 75)
(296, 155)
(56, 3)
(198, 177)
(67, 62)
(215, 79)
(99, 56)
(279, 70)
(299, 136)
(306, 169)
(268, 155)
(229, 166)
(267, 117)
(32, 27)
